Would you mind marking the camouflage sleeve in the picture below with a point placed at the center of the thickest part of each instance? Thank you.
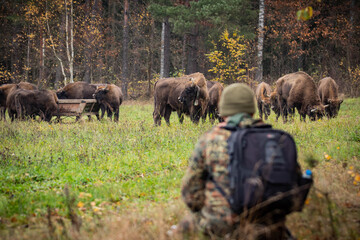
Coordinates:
(193, 186)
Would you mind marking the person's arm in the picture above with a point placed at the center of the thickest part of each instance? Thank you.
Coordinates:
(193, 187)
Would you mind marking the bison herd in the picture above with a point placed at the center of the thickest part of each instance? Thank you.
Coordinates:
(25, 100)
(191, 95)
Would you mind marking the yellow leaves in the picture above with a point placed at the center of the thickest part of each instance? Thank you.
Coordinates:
(80, 204)
(305, 14)
(354, 175)
(229, 58)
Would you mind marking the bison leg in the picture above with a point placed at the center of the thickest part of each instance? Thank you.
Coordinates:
(212, 114)
(116, 114)
(260, 110)
(181, 116)
(167, 114)
(157, 115)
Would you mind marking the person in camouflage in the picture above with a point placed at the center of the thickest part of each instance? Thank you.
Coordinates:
(211, 213)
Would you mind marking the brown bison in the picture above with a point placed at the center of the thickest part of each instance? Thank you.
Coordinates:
(215, 89)
(110, 98)
(262, 93)
(77, 90)
(5, 91)
(328, 93)
(275, 105)
(23, 103)
(298, 90)
(187, 95)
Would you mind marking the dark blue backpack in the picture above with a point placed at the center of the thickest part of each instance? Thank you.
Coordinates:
(265, 176)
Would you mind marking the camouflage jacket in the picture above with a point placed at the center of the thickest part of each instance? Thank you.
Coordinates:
(199, 193)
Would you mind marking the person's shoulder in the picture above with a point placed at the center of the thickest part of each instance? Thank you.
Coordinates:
(217, 131)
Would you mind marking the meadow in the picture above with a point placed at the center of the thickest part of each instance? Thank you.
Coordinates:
(91, 179)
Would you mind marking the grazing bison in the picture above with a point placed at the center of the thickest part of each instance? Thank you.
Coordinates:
(215, 89)
(109, 97)
(23, 103)
(31, 103)
(275, 105)
(328, 93)
(5, 91)
(262, 94)
(298, 90)
(187, 95)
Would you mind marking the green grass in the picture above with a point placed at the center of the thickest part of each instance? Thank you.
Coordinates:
(113, 168)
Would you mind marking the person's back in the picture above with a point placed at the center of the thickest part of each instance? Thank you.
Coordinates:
(206, 181)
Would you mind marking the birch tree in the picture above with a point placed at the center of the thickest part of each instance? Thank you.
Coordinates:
(260, 45)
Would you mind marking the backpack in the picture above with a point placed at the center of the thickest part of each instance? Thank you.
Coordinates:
(264, 174)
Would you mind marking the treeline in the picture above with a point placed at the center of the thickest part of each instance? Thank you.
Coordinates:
(134, 42)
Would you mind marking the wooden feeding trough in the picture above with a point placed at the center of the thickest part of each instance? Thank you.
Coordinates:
(77, 107)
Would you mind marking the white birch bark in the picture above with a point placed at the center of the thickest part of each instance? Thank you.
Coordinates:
(260, 46)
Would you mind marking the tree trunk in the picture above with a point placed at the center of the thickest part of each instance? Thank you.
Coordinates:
(192, 52)
(165, 49)
(27, 58)
(87, 51)
(150, 57)
(184, 54)
(41, 64)
(260, 46)
(125, 50)
(70, 49)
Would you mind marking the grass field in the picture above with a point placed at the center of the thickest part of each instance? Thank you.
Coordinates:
(91, 180)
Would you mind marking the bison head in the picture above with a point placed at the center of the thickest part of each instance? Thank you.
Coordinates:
(61, 94)
(192, 98)
(334, 107)
(100, 93)
(317, 112)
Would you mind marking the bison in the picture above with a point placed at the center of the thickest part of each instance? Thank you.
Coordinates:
(79, 90)
(187, 95)
(262, 94)
(5, 91)
(110, 97)
(23, 103)
(31, 103)
(298, 90)
(328, 93)
(215, 89)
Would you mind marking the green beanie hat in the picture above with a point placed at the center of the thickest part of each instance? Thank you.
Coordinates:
(237, 98)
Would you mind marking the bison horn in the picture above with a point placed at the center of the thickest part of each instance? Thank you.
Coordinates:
(192, 82)
(326, 106)
(313, 110)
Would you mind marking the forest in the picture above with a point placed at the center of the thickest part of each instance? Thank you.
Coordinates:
(132, 43)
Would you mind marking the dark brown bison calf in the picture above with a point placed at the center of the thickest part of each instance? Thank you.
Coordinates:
(329, 95)
(262, 93)
(110, 97)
